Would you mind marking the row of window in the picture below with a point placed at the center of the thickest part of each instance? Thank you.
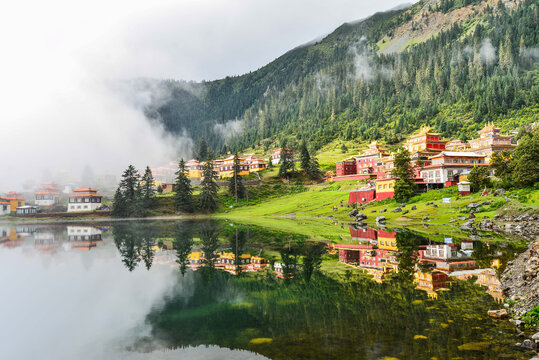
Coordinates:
(385, 186)
(86, 200)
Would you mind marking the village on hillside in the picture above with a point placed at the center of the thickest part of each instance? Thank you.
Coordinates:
(436, 162)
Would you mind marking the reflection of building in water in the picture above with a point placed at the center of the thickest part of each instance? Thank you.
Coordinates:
(46, 241)
(83, 237)
(432, 281)
(485, 277)
(12, 237)
(227, 262)
(281, 269)
(448, 257)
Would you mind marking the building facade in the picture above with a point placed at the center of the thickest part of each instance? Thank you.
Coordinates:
(448, 165)
(491, 141)
(84, 199)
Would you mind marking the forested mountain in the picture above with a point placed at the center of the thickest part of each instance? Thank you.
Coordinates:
(454, 64)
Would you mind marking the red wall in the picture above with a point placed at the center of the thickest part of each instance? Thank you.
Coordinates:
(358, 196)
(384, 195)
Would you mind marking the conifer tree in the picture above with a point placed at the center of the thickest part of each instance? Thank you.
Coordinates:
(236, 187)
(208, 194)
(287, 168)
(478, 178)
(404, 184)
(305, 157)
(202, 153)
(183, 200)
(148, 189)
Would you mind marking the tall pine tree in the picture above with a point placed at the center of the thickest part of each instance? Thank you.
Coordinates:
(404, 184)
(235, 184)
(148, 189)
(183, 199)
(208, 194)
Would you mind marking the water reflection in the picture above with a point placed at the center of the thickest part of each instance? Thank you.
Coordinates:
(143, 286)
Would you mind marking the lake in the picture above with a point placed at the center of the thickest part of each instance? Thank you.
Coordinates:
(217, 290)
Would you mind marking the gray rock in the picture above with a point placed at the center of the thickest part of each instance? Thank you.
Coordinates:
(473, 205)
(396, 210)
(405, 212)
(434, 205)
(360, 216)
(529, 344)
(462, 218)
(471, 216)
(452, 221)
(413, 207)
(383, 210)
(426, 218)
(373, 211)
(499, 192)
(380, 219)
(519, 324)
(535, 336)
(353, 213)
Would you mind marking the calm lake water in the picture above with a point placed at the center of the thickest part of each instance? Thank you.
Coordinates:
(216, 290)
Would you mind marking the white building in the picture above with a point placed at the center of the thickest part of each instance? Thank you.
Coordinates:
(5, 208)
(46, 198)
(84, 199)
(83, 237)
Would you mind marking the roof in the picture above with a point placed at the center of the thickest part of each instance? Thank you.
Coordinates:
(85, 189)
(458, 154)
(27, 207)
(4, 203)
(85, 195)
(46, 192)
(464, 183)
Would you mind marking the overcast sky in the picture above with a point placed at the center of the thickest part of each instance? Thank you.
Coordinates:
(57, 54)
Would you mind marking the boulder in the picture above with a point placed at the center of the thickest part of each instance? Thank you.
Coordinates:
(426, 218)
(499, 192)
(473, 205)
(452, 221)
(471, 216)
(462, 218)
(535, 336)
(373, 211)
(396, 210)
(380, 219)
(353, 213)
(405, 212)
(528, 344)
(413, 207)
(468, 225)
(498, 314)
(434, 205)
(360, 216)
(383, 210)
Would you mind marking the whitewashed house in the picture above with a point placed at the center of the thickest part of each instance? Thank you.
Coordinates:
(84, 199)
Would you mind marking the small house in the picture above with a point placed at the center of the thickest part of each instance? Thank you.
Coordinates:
(26, 210)
(84, 199)
(464, 187)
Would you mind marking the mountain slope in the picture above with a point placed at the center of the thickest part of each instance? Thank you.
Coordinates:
(453, 63)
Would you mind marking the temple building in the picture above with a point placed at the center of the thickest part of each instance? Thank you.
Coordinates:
(194, 168)
(370, 162)
(226, 167)
(47, 195)
(446, 167)
(14, 199)
(255, 163)
(84, 199)
(276, 156)
(457, 145)
(346, 167)
(425, 143)
(490, 141)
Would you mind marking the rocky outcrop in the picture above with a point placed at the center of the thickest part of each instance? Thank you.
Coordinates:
(524, 225)
(520, 281)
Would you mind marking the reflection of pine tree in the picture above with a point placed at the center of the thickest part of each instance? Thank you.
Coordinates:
(237, 246)
(183, 243)
(289, 258)
(407, 257)
(313, 259)
(128, 245)
(146, 249)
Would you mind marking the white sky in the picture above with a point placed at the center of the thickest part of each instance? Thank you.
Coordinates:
(58, 114)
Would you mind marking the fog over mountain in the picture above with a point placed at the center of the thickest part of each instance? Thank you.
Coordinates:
(62, 110)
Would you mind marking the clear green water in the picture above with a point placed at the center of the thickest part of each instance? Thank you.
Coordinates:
(128, 290)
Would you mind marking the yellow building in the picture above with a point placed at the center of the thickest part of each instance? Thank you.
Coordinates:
(194, 168)
(14, 199)
(226, 167)
(385, 188)
(491, 141)
(426, 142)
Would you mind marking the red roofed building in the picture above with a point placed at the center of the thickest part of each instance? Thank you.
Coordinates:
(14, 199)
(448, 165)
(84, 199)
